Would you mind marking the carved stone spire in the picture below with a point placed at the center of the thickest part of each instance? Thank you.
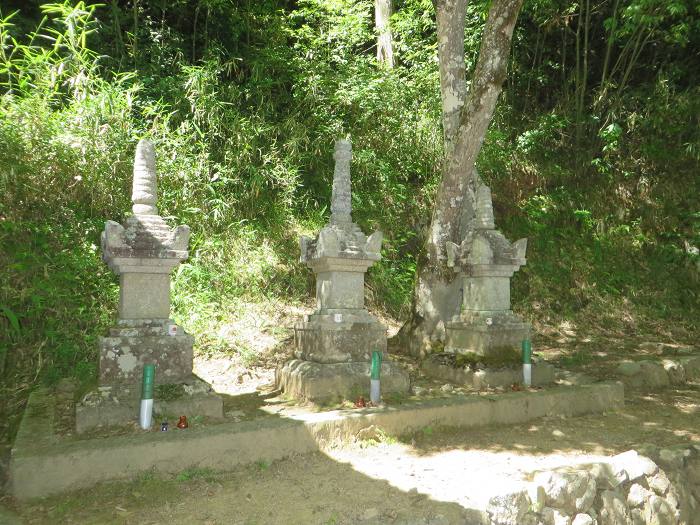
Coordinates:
(484, 208)
(145, 189)
(341, 204)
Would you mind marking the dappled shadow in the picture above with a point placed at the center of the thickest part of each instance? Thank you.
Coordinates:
(434, 472)
(666, 417)
(597, 355)
(312, 489)
(253, 405)
(469, 466)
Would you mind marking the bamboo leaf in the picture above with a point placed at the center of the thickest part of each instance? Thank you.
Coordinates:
(12, 318)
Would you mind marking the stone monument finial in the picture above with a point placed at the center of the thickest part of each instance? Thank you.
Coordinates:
(341, 204)
(484, 208)
(145, 188)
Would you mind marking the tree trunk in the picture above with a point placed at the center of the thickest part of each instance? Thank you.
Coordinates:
(116, 24)
(382, 14)
(466, 117)
(450, 18)
(135, 48)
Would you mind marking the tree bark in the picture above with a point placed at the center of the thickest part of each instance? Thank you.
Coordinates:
(385, 49)
(466, 117)
(449, 219)
(450, 18)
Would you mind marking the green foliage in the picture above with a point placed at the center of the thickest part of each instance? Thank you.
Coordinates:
(262, 464)
(53, 323)
(244, 104)
(576, 359)
(244, 158)
(378, 437)
(14, 327)
(190, 474)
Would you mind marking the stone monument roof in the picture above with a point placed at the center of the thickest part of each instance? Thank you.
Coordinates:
(341, 237)
(145, 235)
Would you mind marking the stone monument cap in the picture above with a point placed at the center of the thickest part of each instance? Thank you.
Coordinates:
(144, 192)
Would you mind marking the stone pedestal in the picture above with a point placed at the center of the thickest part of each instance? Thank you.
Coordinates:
(334, 344)
(131, 344)
(333, 382)
(143, 252)
(501, 338)
(486, 261)
(119, 404)
(341, 329)
(447, 367)
(323, 340)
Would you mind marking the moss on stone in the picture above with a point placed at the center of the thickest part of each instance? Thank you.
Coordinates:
(169, 392)
(497, 357)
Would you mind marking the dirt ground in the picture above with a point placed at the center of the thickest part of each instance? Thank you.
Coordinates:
(436, 476)
(433, 477)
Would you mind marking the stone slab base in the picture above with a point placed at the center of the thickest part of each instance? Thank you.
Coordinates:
(115, 406)
(43, 464)
(329, 343)
(438, 366)
(485, 339)
(127, 348)
(335, 382)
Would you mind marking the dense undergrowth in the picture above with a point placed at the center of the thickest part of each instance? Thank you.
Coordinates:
(598, 170)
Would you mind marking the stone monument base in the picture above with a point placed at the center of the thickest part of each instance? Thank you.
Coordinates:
(491, 335)
(117, 405)
(338, 336)
(334, 382)
(446, 367)
(134, 343)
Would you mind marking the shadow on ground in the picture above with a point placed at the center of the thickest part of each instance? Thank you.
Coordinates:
(309, 489)
(665, 418)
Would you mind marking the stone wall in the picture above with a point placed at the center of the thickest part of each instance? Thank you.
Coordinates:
(658, 487)
(650, 374)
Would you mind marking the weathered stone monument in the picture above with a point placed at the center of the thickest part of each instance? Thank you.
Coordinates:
(485, 261)
(143, 252)
(335, 343)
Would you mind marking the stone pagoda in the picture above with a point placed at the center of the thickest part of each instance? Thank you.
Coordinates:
(485, 261)
(143, 252)
(334, 344)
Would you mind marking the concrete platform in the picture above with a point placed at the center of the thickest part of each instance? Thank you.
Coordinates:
(43, 463)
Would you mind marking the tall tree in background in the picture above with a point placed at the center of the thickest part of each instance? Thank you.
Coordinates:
(466, 115)
(382, 14)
